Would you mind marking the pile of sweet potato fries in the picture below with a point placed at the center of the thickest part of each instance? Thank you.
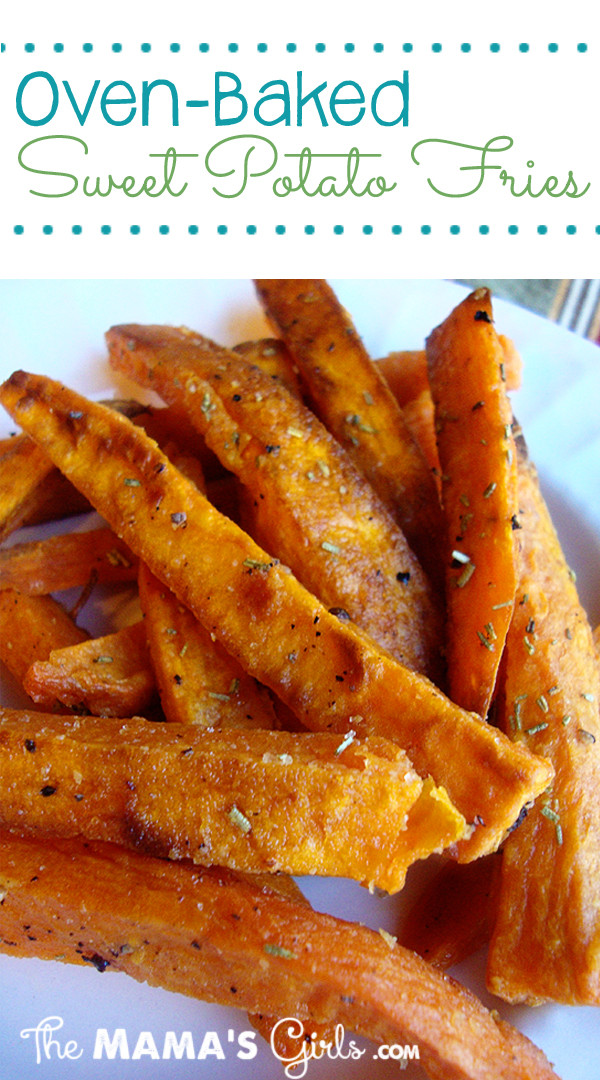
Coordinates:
(359, 643)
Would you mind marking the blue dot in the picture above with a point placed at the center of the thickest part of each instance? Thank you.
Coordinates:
(425, 229)
(598, 229)
(320, 46)
(30, 47)
(571, 230)
(349, 46)
(105, 230)
(145, 46)
(309, 230)
(553, 47)
(367, 229)
(465, 47)
(261, 46)
(77, 230)
(233, 46)
(455, 229)
(378, 47)
(280, 230)
(291, 46)
(18, 230)
(251, 230)
(523, 47)
(494, 47)
(59, 47)
(193, 230)
(88, 47)
(396, 230)
(513, 230)
(338, 229)
(407, 47)
(175, 46)
(484, 229)
(47, 230)
(436, 47)
(134, 230)
(582, 47)
(542, 229)
(163, 229)
(222, 230)
(204, 46)
(117, 47)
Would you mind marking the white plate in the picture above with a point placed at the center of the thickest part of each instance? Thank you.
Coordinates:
(56, 327)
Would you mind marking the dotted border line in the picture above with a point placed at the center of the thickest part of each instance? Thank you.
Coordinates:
(464, 47)
(310, 230)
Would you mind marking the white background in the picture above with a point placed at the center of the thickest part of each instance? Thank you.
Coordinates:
(544, 101)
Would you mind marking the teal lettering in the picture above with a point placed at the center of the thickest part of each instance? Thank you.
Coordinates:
(313, 95)
(106, 101)
(402, 117)
(285, 116)
(81, 116)
(335, 101)
(21, 90)
(221, 95)
(147, 89)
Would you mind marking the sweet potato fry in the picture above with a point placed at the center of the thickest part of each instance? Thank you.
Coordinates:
(273, 357)
(479, 494)
(406, 372)
(312, 508)
(63, 562)
(354, 401)
(107, 676)
(289, 1041)
(171, 426)
(255, 801)
(198, 681)
(330, 675)
(454, 915)
(24, 468)
(222, 937)
(32, 490)
(406, 375)
(30, 627)
(546, 944)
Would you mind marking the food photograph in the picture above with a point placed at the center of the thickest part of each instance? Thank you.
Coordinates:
(299, 682)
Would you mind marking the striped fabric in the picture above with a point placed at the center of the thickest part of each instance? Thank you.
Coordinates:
(576, 306)
(572, 303)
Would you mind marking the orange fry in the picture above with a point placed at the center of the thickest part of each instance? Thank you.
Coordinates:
(454, 915)
(333, 677)
(479, 495)
(251, 800)
(107, 676)
(354, 401)
(223, 937)
(546, 944)
(30, 627)
(309, 506)
(63, 562)
(198, 681)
